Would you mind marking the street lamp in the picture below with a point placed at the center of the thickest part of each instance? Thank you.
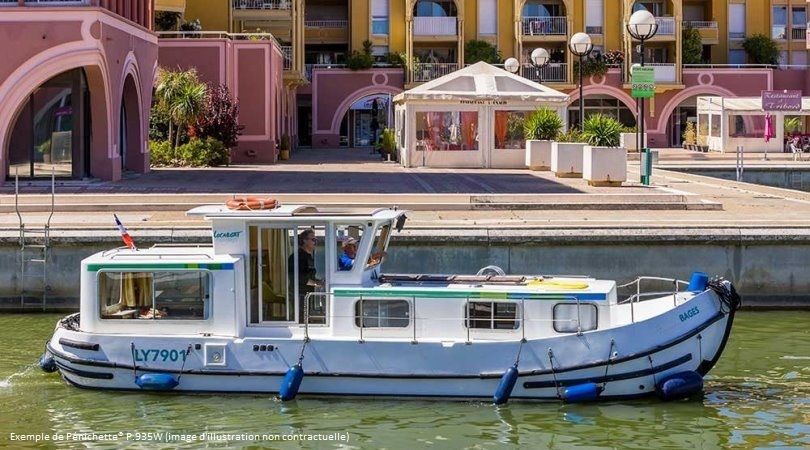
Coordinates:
(580, 45)
(540, 59)
(642, 27)
(511, 65)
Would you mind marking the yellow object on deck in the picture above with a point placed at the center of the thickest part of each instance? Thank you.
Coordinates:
(558, 284)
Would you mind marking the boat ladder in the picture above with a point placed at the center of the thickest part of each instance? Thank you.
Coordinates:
(34, 252)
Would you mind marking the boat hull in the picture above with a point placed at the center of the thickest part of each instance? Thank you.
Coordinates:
(625, 362)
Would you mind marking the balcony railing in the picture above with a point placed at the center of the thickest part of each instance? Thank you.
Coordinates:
(710, 24)
(664, 72)
(666, 26)
(435, 26)
(286, 51)
(430, 71)
(798, 33)
(326, 23)
(552, 73)
(546, 25)
(261, 4)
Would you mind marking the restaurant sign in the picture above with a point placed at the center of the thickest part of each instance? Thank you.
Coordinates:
(781, 100)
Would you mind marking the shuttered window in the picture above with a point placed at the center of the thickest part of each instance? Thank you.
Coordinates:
(594, 16)
(488, 17)
(379, 17)
(736, 20)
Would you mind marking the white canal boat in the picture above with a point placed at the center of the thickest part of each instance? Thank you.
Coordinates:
(273, 308)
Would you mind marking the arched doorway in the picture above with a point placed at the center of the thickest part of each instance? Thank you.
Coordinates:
(365, 119)
(602, 104)
(130, 129)
(51, 129)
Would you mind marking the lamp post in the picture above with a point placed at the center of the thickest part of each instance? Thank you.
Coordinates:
(581, 45)
(540, 59)
(511, 65)
(642, 27)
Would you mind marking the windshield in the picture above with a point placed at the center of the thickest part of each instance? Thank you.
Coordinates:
(378, 248)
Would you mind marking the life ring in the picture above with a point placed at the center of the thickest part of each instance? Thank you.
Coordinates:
(251, 203)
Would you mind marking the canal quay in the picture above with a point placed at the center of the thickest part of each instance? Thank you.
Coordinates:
(459, 221)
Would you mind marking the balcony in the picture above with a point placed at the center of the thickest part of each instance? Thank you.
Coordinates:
(423, 72)
(262, 4)
(666, 29)
(287, 53)
(326, 31)
(545, 26)
(665, 73)
(798, 33)
(552, 73)
(435, 26)
(708, 30)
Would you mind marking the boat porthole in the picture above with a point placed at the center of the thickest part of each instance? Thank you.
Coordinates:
(640, 387)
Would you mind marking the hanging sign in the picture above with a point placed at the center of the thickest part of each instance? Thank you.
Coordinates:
(782, 100)
(642, 82)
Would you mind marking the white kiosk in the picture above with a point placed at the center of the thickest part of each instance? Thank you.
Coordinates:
(470, 118)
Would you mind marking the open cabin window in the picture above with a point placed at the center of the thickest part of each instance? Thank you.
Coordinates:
(378, 249)
(159, 295)
(376, 313)
(575, 317)
(492, 315)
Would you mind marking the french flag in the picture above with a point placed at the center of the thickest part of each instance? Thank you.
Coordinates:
(124, 234)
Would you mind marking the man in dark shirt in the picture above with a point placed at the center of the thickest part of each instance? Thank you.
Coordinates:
(307, 280)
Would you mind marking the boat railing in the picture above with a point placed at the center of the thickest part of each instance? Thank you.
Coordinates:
(640, 296)
(415, 320)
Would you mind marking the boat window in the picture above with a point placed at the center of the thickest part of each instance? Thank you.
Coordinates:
(573, 317)
(382, 313)
(348, 239)
(378, 253)
(309, 260)
(492, 315)
(175, 295)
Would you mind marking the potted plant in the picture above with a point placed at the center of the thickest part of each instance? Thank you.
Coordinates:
(284, 148)
(387, 144)
(689, 136)
(604, 163)
(45, 150)
(566, 155)
(702, 144)
(628, 139)
(539, 128)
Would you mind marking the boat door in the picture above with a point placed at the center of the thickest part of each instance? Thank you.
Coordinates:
(286, 263)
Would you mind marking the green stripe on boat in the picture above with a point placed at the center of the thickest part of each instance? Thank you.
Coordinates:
(166, 266)
(453, 293)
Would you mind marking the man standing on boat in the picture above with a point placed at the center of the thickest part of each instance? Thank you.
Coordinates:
(307, 280)
(346, 260)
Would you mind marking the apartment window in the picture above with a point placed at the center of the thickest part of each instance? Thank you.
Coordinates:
(537, 9)
(736, 21)
(594, 16)
(798, 20)
(488, 17)
(656, 8)
(379, 17)
(492, 316)
(779, 26)
(736, 56)
(798, 58)
(573, 317)
(380, 53)
(382, 313)
(783, 57)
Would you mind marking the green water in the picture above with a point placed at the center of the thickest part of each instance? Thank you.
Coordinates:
(758, 396)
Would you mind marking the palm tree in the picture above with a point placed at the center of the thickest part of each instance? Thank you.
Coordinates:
(182, 96)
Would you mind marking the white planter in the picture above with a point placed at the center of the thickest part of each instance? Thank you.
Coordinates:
(538, 154)
(566, 159)
(604, 166)
(628, 141)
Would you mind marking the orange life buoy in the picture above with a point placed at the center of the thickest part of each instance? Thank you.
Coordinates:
(251, 203)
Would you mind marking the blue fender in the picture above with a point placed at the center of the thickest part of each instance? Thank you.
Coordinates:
(291, 383)
(506, 385)
(586, 392)
(156, 381)
(47, 363)
(698, 282)
(679, 385)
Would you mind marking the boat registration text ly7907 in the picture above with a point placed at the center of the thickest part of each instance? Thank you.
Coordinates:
(153, 354)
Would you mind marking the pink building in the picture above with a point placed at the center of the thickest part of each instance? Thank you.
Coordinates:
(76, 87)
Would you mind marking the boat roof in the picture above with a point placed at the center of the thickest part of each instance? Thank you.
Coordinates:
(199, 256)
(302, 212)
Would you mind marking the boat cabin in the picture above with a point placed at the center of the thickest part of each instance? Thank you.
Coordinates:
(296, 269)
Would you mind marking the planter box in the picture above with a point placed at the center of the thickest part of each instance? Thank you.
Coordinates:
(628, 141)
(538, 154)
(604, 166)
(566, 159)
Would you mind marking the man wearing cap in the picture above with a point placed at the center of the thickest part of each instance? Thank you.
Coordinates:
(346, 260)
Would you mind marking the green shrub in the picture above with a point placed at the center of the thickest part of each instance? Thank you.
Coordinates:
(689, 134)
(203, 153)
(543, 124)
(388, 143)
(592, 66)
(572, 135)
(359, 61)
(761, 49)
(691, 45)
(602, 131)
(475, 51)
(161, 153)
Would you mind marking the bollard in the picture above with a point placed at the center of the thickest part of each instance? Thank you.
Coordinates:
(740, 163)
(645, 167)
